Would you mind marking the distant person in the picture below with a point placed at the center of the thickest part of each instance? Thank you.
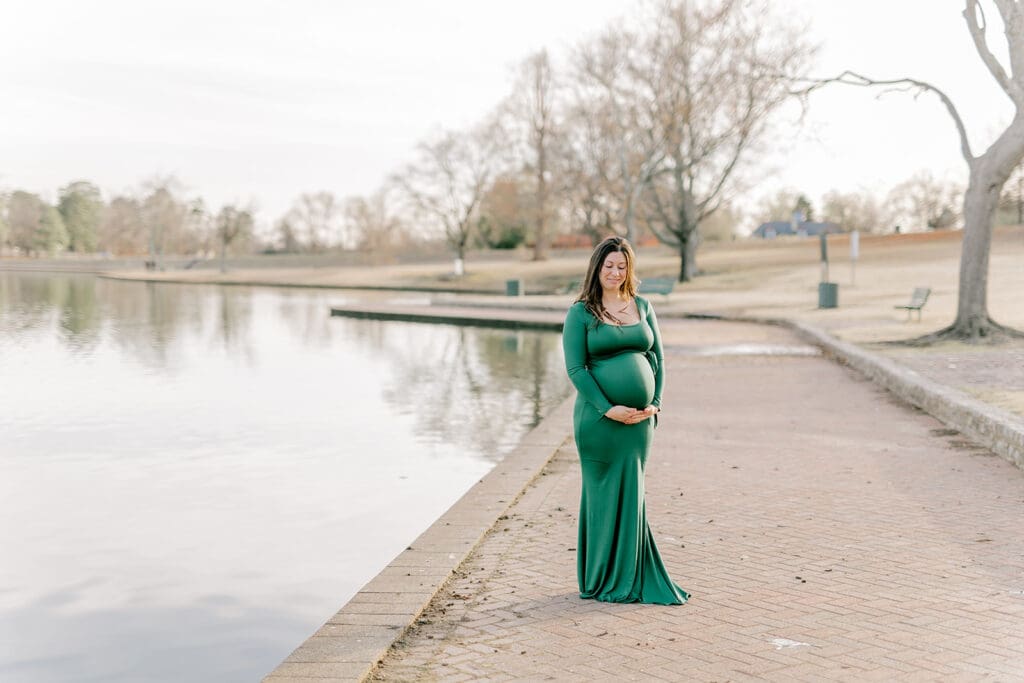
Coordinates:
(613, 355)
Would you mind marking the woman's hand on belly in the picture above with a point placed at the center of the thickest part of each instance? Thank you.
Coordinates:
(630, 416)
(647, 413)
(623, 414)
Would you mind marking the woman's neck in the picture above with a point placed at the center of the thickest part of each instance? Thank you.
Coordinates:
(612, 295)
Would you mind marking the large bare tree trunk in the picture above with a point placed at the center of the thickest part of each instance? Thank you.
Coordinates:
(989, 173)
(687, 261)
(688, 255)
(980, 204)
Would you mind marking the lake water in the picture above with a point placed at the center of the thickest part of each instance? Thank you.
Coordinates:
(194, 478)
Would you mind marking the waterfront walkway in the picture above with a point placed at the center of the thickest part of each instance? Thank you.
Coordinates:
(825, 530)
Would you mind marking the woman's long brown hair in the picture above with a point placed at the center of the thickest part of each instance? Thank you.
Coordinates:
(592, 294)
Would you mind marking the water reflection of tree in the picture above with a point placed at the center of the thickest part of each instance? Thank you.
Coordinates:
(148, 317)
(81, 323)
(477, 388)
(146, 320)
(234, 321)
(306, 316)
(25, 302)
(32, 301)
(535, 366)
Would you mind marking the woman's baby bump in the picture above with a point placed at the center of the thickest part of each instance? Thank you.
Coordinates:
(626, 379)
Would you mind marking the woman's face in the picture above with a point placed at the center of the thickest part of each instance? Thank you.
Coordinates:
(613, 272)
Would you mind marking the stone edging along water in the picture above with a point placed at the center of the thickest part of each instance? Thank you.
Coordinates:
(350, 644)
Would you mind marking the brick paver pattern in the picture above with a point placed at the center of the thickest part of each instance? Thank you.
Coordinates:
(826, 532)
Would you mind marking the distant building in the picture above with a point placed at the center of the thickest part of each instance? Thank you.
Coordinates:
(773, 229)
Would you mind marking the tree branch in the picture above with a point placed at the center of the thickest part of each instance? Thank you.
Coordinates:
(853, 78)
(977, 29)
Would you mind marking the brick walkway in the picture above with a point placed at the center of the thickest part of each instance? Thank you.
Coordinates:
(825, 531)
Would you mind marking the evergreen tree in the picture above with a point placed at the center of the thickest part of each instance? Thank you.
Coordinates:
(51, 236)
(81, 208)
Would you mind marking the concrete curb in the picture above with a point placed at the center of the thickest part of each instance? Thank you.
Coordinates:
(998, 430)
(350, 644)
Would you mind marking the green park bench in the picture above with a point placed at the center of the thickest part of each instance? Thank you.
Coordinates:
(917, 301)
(657, 285)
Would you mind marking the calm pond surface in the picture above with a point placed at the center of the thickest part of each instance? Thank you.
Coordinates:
(194, 478)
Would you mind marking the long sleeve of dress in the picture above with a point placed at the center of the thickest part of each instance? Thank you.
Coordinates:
(574, 345)
(659, 355)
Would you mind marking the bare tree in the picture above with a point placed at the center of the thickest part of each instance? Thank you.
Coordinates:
(723, 225)
(779, 206)
(713, 74)
(533, 108)
(287, 236)
(989, 170)
(4, 228)
(606, 89)
(1012, 203)
(232, 224)
(373, 222)
(447, 180)
(585, 160)
(163, 215)
(318, 218)
(855, 211)
(924, 201)
(121, 230)
(200, 235)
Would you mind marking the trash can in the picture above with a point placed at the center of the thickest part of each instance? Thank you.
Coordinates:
(513, 287)
(828, 294)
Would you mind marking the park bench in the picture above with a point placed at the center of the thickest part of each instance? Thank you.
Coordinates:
(657, 285)
(917, 301)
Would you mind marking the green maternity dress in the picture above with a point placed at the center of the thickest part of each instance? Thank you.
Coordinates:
(617, 559)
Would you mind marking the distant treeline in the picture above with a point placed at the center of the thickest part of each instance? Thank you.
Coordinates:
(655, 128)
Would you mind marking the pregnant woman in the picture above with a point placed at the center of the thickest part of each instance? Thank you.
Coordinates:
(613, 356)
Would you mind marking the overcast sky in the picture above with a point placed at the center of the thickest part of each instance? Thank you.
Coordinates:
(260, 101)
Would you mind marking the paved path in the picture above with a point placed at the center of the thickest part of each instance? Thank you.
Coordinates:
(826, 532)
